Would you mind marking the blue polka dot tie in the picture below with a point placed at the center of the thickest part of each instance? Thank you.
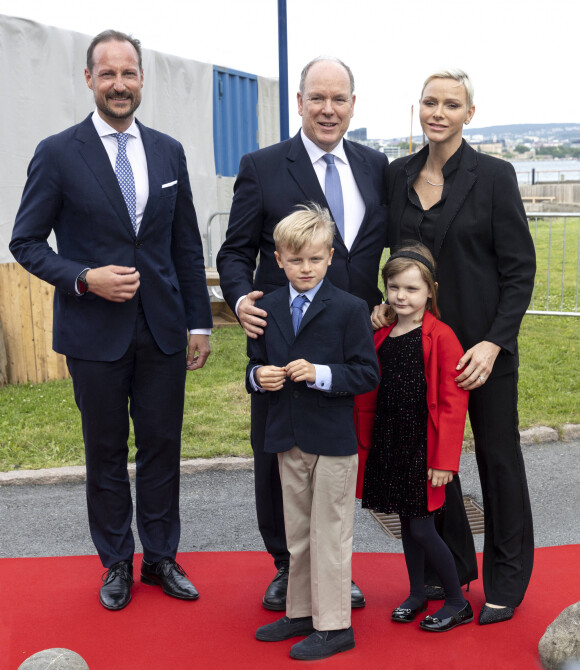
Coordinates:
(125, 176)
(297, 307)
(333, 193)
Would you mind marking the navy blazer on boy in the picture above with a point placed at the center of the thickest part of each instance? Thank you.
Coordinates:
(334, 331)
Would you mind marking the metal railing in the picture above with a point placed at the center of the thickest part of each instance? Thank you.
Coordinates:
(556, 238)
(207, 236)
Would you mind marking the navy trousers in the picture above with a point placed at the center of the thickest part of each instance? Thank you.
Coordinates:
(148, 386)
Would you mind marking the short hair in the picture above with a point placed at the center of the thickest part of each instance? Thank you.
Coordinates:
(113, 36)
(302, 226)
(398, 264)
(460, 76)
(321, 59)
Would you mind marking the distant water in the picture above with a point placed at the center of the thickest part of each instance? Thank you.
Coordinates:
(550, 170)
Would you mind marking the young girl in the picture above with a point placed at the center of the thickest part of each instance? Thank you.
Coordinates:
(413, 424)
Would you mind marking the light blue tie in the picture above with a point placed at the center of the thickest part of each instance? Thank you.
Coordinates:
(333, 193)
(125, 176)
(297, 306)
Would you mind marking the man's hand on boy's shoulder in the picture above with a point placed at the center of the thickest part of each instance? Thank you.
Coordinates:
(301, 371)
(270, 377)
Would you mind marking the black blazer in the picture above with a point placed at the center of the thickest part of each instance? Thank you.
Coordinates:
(72, 189)
(484, 251)
(335, 331)
(270, 183)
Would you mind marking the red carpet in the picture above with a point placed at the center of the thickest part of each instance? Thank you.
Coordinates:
(52, 602)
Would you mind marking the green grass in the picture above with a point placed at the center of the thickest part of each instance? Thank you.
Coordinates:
(557, 243)
(40, 424)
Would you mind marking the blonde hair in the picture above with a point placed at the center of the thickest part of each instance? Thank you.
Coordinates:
(460, 76)
(404, 258)
(302, 226)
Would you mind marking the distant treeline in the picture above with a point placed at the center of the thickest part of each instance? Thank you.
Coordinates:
(559, 152)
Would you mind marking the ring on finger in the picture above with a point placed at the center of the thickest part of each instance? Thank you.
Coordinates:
(481, 379)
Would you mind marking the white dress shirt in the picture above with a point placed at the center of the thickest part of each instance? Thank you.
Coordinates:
(354, 205)
(135, 154)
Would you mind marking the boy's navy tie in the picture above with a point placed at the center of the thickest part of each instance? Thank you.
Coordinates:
(297, 306)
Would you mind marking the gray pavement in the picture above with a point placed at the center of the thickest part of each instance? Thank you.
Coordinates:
(217, 506)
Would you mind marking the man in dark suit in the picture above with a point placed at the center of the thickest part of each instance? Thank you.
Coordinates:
(270, 184)
(130, 282)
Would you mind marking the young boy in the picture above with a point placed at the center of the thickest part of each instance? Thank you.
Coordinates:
(316, 353)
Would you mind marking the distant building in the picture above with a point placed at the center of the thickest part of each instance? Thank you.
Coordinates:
(357, 135)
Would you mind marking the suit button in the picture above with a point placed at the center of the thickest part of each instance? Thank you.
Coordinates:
(138, 245)
(296, 394)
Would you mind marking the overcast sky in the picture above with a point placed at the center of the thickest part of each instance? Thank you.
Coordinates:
(522, 55)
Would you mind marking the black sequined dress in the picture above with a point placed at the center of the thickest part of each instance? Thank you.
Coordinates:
(395, 479)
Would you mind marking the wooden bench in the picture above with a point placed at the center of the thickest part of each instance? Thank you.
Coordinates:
(222, 314)
(538, 198)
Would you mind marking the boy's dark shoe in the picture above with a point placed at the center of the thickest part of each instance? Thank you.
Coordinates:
(322, 644)
(284, 629)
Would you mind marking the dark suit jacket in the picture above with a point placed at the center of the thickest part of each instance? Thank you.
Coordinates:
(335, 331)
(270, 183)
(72, 189)
(484, 251)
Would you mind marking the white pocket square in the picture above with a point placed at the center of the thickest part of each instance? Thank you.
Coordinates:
(171, 183)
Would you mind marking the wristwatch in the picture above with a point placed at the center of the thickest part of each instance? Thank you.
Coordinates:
(82, 283)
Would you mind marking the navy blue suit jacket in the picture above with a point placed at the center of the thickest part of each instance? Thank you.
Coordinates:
(270, 184)
(335, 331)
(72, 189)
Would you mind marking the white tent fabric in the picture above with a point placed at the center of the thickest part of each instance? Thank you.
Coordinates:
(44, 92)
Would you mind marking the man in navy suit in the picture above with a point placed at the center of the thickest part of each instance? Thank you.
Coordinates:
(270, 183)
(129, 284)
(314, 356)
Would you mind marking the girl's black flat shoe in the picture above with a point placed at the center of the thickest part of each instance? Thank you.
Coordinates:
(436, 625)
(405, 615)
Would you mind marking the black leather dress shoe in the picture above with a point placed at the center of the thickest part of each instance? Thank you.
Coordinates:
(115, 592)
(436, 625)
(322, 644)
(275, 597)
(406, 615)
(284, 629)
(170, 576)
(357, 598)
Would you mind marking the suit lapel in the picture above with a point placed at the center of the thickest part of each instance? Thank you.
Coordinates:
(462, 185)
(302, 172)
(280, 313)
(93, 152)
(154, 173)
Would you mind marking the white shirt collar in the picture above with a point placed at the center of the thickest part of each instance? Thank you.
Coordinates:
(309, 294)
(316, 153)
(104, 129)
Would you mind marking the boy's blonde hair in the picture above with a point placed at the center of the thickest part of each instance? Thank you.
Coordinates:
(302, 226)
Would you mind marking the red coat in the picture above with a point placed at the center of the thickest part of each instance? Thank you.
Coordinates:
(447, 405)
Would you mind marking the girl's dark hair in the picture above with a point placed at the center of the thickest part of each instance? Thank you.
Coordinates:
(420, 257)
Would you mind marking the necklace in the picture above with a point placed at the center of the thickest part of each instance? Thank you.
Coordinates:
(431, 183)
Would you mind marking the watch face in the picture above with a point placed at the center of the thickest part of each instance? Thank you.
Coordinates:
(83, 288)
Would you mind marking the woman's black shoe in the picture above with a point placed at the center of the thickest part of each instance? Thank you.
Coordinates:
(406, 615)
(495, 614)
(436, 625)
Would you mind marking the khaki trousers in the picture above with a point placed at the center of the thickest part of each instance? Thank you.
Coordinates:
(318, 493)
